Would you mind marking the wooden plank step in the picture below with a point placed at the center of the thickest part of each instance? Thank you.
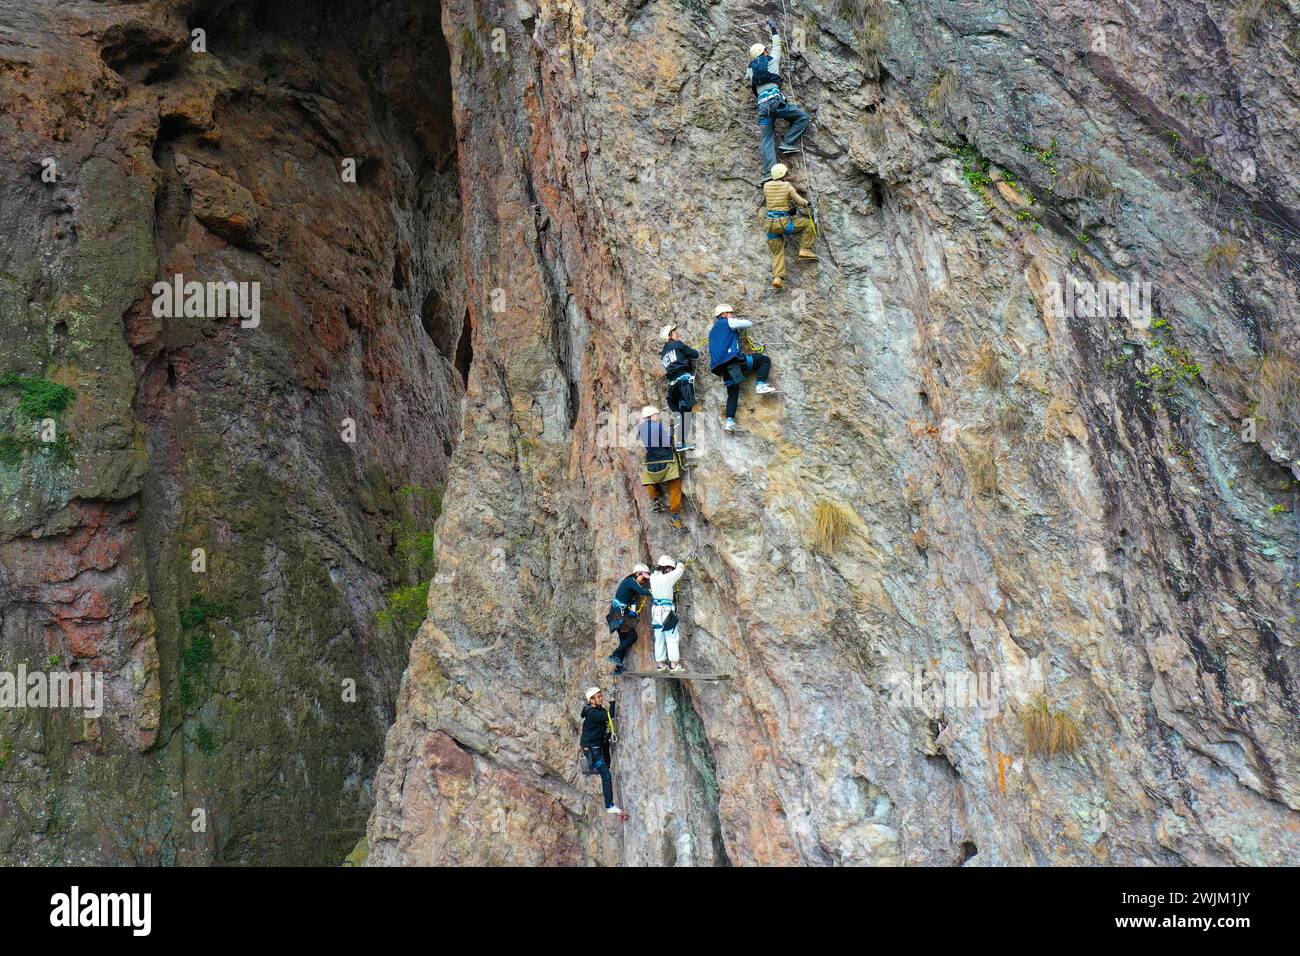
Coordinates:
(674, 675)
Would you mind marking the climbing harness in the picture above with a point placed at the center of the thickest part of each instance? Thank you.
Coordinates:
(775, 214)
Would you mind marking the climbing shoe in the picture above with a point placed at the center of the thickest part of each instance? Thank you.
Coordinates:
(662, 667)
(677, 524)
(614, 809)
(762, 388)
(656, 506)
(810, 256)
(614, 660)
(685, 448)
(788, 149)
(729, 425)
(777, 283)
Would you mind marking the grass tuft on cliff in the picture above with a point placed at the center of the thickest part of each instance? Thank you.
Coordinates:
(1247, 16)
(1278, 387)
(831, 525)
(1048, 731)
(987, 368)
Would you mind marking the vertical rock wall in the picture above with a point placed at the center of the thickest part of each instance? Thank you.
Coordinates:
(1064, 504)
(218, 157)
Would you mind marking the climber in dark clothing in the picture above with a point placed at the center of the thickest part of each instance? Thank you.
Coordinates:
(764, 78)
(596, 738)
(678, 360)
(729, 361)
(624, 612)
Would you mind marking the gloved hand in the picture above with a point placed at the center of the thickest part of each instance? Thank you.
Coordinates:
(771, 26)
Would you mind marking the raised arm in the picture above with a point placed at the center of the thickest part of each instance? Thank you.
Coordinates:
(739, 324)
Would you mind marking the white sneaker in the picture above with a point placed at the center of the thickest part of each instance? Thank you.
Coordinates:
(614, 809)
(729, 425)
(762, 388)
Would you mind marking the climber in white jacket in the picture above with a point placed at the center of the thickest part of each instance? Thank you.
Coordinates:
(663, 613)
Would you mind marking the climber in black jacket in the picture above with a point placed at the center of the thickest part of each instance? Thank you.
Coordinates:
(678, 360)
(596, 738)
(625, 612)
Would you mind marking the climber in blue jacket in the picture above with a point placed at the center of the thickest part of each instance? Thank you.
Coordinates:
(764, 78)
(731, 364)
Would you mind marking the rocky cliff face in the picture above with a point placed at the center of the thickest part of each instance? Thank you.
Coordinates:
(1087, 519)
(962, 477)
(229, 733)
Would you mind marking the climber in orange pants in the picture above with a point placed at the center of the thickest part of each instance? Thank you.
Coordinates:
(662, 472)
(782, 202)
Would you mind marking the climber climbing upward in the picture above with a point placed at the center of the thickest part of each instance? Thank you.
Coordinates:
(783, 201)
(625, 612)
(764, 78)
(731, 364)
(662, 471)
(678, 360)
(595, 741)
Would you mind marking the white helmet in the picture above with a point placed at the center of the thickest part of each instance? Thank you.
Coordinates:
(666, 331)
(666, 562)
(640, 569)
(722, 307)
(592, 692)
(779, 171)
(648, 411)
(756, 50)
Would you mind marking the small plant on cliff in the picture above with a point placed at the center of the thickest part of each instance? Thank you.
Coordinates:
(198, 654)
(1247, 16)
(941, 91)
(1047, 731)
(40, 398)
(987, 369)
(405, 608)
(6, 753)
(1277, 387)
(203, 739)
(1085, 179)
(983, 469)
(1223, 259)
(199, 611)
(831, 525)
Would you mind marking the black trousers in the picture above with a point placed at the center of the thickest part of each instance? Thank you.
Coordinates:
(600, 764)
(760, 365)
(625, 641)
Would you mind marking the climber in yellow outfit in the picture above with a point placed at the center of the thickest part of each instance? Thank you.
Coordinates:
(783, 204)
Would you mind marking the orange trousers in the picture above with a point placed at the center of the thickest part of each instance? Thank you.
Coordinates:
(674, 494)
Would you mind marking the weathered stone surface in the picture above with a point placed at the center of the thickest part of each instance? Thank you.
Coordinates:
(196, 433)
(1065, 504)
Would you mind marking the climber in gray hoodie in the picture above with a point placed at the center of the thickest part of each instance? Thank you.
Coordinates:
(764, 78)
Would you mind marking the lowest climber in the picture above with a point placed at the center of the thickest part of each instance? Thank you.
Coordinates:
(625, 612)
(662, 471)
(663, 614)
(678, 360)
(597, 734)
(764, 78)
(782, 202)
(731, 364)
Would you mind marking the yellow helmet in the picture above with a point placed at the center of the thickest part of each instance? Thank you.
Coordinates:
(779, 171)
(756, 50)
